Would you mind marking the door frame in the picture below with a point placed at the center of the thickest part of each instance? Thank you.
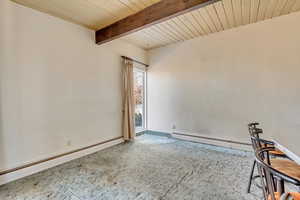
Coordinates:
(138, 68)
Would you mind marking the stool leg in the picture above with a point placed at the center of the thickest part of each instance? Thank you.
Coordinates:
(280, 186)
(251, 177)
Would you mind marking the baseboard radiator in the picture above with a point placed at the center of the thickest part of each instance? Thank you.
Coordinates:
(214, 141)
(9, 175)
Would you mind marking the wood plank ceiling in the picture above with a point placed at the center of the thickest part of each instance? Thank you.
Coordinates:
(220, 16)
(93, 14)
(223, 15)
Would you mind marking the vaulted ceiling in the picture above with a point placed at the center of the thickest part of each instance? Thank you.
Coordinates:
(220, 16)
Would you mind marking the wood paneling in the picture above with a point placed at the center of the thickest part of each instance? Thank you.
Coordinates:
(93, 14)
(149, 16)
(222, 15)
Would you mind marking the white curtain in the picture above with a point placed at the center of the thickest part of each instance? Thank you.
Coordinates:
(128, 101)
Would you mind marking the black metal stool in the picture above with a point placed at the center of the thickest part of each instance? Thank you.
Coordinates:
(272, 178)
(258, 143)
(254, 132)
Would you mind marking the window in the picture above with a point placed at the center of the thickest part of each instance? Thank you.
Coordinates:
(140, 100)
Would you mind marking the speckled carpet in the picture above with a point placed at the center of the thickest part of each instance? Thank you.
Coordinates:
(152, 167)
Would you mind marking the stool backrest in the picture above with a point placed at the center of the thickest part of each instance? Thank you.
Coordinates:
(259, 143)
(252, 126)
(255, 139)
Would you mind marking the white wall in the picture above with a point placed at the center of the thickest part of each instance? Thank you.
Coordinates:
(56, 86)
(213, 86)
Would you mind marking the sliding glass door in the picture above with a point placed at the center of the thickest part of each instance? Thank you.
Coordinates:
(140, 99)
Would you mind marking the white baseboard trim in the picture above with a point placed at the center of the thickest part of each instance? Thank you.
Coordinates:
(35, 168)
(162, 131)
(212, 141)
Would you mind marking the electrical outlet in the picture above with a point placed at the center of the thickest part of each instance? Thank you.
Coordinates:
(69, 143)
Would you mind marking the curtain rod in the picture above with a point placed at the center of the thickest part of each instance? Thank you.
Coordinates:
(125, 57)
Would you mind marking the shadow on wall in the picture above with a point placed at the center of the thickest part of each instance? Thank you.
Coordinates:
(160, 54)
(2, 153)
(3, 17)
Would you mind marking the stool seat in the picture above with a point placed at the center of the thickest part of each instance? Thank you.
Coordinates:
(276, 152)
(277, 196)
(289, 196)
(287, 167)
(295, 195)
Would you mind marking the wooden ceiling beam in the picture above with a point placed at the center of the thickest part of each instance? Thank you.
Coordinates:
(156, 13)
